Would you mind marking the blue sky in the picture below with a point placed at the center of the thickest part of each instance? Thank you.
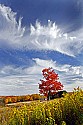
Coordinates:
(40, 34)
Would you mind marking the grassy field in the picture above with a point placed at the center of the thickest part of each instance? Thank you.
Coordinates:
(62, 111)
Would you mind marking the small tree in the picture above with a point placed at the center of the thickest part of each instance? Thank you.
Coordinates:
(50, 85)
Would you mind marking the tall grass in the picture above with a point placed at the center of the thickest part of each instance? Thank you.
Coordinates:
(63, 111)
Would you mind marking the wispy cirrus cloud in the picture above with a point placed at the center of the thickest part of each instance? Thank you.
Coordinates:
(11, 31)
(38, 37)
(23, 80)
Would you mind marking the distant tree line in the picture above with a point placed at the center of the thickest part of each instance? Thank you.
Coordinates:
(14, 99)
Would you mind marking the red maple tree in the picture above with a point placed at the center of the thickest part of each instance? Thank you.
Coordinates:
(50, 85)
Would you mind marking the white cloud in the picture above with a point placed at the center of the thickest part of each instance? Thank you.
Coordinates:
(75, 84)
(18, 80)
(43, 63)
(10, 31)
(40, 37)
(14, 81)
(18, 85)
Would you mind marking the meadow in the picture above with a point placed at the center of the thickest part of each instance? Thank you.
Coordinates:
(67, 110)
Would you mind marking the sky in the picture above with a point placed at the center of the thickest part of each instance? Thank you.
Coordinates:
(40, 34)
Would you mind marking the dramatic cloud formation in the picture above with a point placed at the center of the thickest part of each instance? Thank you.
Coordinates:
(38, 37)
(18, 80)
(11, 32)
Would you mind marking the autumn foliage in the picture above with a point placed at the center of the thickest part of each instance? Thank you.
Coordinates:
(23, 98)
(50, 85)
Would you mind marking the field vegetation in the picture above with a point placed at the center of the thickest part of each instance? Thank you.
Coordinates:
(67, 110)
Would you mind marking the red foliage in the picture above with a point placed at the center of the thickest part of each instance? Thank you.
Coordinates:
(50, 84)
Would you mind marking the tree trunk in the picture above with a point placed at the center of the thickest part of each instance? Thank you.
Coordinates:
(48, 97)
